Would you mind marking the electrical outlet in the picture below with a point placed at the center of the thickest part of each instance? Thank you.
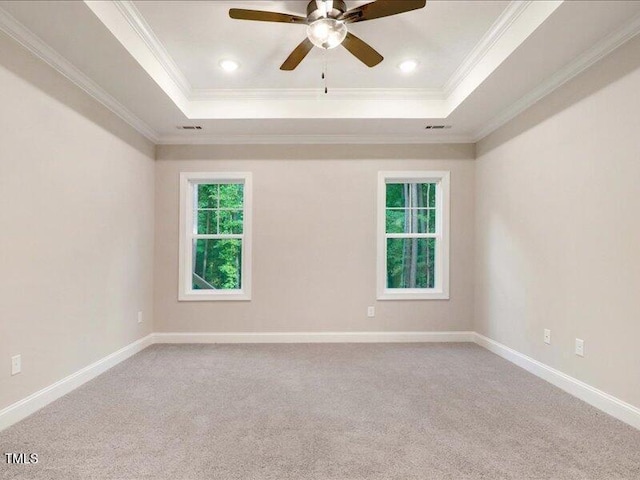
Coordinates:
(579, 347)
(139, 317)
(371, 311)
(16, 364)
(547, 336)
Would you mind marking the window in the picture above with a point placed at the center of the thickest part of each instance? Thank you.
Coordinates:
(413, 235)
(215, 236)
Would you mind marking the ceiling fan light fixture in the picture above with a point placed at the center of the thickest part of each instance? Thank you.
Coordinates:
(327, 33)
(229, 65)
(327, 21)
(408, 66)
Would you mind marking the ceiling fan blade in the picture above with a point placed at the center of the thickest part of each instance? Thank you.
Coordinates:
(362, 50)
(381, 8)
(297, 55)
(261, 16)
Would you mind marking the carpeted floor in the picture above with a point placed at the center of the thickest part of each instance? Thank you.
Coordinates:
(325, 412)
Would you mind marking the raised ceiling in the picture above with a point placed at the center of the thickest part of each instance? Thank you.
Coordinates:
(196, 35)
(155, 63)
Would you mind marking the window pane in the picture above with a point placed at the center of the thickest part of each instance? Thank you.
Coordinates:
(231, 195)
(411, 262)
(396, 221)
(426, 195)
(423, 221)
(411, 195)
(230, 221)
(217, 264)
(207, 195)
(395, 195)
(207, 222)
(411, 220)
(219, 208)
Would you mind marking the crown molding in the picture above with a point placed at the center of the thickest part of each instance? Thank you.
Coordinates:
(208, 139)
(34, 44)
(145, 32)
(497, 30)
(562, 76)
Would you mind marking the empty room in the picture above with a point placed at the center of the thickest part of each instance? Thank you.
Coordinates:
(319, 240)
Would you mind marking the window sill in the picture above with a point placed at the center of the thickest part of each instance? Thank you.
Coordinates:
(221, 296)
(408, 294)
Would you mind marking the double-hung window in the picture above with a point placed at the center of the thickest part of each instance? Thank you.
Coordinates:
(413, 235)
(215, 236)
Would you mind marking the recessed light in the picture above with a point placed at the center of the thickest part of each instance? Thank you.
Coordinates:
(229, 65)
(408, 66)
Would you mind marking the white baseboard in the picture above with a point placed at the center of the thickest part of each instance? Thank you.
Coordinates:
(597, 398)
(25, 407)
(314, 337)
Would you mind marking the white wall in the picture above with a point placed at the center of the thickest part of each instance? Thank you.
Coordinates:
(558, 228)
(314, 239)
(76, 227)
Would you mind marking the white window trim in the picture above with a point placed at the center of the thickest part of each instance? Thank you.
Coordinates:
(187, 182)
(441, 289)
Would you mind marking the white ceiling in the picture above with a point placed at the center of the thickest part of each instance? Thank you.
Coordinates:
(155, 63)
(196, 35)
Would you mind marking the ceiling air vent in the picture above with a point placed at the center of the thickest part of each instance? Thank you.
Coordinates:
(189, 127)
(437, 127)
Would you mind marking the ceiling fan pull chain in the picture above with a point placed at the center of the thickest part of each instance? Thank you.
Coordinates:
(324, 73)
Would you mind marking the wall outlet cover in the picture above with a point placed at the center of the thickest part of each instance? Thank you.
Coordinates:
(579, 347)
(547, 336)
(16, 364)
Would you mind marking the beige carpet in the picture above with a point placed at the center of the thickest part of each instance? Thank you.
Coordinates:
(332, 411)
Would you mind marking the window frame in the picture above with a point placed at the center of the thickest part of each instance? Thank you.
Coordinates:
(188, 181)
(441, 286)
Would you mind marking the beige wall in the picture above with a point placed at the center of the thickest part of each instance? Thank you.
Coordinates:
(76, 227)
(314, 240)
(558, 228)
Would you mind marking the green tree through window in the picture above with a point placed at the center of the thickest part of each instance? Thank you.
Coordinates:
(410, 225)
(217, 246)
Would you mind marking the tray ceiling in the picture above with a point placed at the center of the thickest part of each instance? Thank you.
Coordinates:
(196, 35)
(156, 64)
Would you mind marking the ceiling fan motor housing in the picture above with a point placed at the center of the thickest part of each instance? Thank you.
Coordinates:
(326, 23)
(314, 13)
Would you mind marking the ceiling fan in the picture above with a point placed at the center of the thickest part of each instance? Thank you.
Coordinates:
(327, 22)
